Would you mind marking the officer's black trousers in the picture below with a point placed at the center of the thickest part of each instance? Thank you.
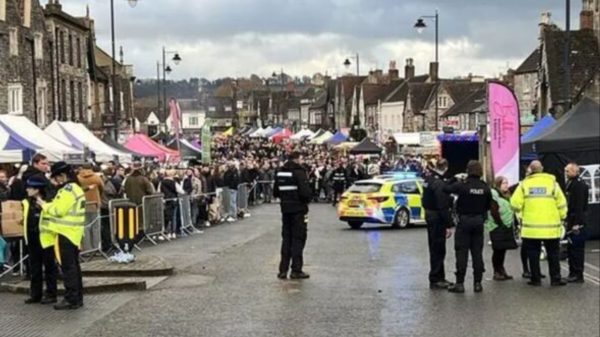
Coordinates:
(436, 238)
(534, 249)
(43, 268)
(293, 235)
(469, 238)
(105, 232)
(337, 193)
(576, 254)
(71, 270)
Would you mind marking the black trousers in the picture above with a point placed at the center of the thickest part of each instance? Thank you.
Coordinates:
(524, 258)
(293, 233)
(534, 249)
(337, 193)
(105, 232)
(576, 254)
(498, 257)
(469, 238)
(436, 238)
(42, 264)
(71, 270)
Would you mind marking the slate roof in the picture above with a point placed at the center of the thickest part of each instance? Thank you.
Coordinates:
(420, 95)
(142, 113)
(584, 59)
(531, 63)
(348, 83)
(473, 102)
(398, 94)
(372, 93)
(320, 101)
(460, 89)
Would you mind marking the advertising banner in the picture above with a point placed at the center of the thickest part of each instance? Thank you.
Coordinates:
(504, 131)
(206, 143)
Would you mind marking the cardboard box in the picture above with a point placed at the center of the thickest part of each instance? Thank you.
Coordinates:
(12, 205)
(12, 216)
(12, 228)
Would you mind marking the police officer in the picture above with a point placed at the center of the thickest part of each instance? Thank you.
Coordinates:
(543, 207)
(339, 180)
(439, 222)
(41, 261)
(472, 206)
(577, 202)
(66, 220)
(293, 189)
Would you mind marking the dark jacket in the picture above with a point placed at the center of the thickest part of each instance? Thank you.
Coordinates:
(17, 189)
(474, 196)
(168, 188)
(577, 194)
(339, 179)
(232, 178)
(436, 200)
(295, 200)
(137, 186)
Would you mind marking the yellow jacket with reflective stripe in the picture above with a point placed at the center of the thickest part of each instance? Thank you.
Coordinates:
(542, 206)
(47, 237)
(66, 213)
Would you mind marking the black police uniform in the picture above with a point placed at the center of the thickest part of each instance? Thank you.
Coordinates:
(292, 188)
(41, 261)
(474, 202)
(339, 183)
(437, 206)
(577, 198)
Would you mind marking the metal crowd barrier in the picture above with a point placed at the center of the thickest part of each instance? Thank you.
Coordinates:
(215, 208)
(242, 197)
(153, 217)
(226, 204)
(263, 191)
(92, 237)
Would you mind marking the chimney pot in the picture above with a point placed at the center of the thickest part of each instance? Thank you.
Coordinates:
(409, 69)
(433, 71)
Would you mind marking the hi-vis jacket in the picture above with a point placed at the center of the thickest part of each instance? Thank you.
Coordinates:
(65, 215)
(47, 238)
(542, 205)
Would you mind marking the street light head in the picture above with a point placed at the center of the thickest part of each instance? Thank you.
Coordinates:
(420, 26)
(176, 59)
(132, 3)
(274, 74)
(347, 63)
(168, 69)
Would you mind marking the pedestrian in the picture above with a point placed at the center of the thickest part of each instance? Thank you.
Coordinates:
(168, 188)
(543, 208)
(91, 183)
(437, 205)
(577, 202)
(293, 189)
(232, 180)
(339, 181)
(136, 186)
(500, 224)
(66, 221)
(473, 203)
(41, 260)
(109, 192)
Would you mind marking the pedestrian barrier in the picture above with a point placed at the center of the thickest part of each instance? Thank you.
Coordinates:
(126, 225)
(215, 207)
(153, 222)
(112, 206)
(242, 197)
(262, 191)
(226, 202)
(92, 237)
(189, 208)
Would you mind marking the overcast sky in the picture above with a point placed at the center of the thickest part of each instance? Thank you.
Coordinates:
(218, 38)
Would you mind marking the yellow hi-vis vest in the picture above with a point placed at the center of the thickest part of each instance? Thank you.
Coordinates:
(542, 205)
(47, 237)
(66, 213)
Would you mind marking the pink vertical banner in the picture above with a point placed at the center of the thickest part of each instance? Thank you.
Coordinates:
(504, 131)
(175, 115)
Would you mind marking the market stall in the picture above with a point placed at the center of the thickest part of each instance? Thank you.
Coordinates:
(325, 136)
(143, 144)
(366, 146)
(337, 138)
(279, 137)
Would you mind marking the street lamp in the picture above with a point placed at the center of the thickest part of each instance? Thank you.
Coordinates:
(347, 63)
(167, 70)
(420, 26)
(116, 104)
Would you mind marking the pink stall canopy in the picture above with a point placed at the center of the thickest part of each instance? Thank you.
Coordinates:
(144, 145)
(284, 134)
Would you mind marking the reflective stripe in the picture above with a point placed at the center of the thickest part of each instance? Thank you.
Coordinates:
(284, 174)
(541, 226)
(75, 213)
(529, 196)
(59, 221)
(288, 188)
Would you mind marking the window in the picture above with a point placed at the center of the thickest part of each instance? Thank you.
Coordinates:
(442, 102)
(70, 49)
(2, 10)
(406, 187)
(72, 95)
(80, 96)
(364, 188)
(15, 99)
(41, 103)
(26, 6)
(13, 41)
(38, 51)
(193, 121)
(79, 56)
(62, 46)
(590, 174)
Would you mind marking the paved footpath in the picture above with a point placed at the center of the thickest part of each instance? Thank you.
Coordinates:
(369, 282)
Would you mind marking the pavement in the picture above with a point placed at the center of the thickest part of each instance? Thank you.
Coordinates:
(368, 282)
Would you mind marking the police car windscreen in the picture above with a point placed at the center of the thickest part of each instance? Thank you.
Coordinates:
(365, 188)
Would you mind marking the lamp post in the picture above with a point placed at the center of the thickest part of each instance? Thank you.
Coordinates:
(420, 26)
(116, 105)
(347, 63)
(167, 69)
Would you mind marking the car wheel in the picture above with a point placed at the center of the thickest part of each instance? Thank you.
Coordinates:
(401, 219)
(355, 224)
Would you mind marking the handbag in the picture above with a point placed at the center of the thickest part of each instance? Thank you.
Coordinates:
(503, 238)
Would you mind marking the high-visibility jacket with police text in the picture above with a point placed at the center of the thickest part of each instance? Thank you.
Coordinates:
(542, 206)
(66, 213)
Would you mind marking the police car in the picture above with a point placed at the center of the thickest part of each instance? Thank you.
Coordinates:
(392, 198)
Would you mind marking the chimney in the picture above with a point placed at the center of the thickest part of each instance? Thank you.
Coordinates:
(393, 73)
(378, 73)
(409, 69)
(433, 71)
(545, 21)
(586, 17)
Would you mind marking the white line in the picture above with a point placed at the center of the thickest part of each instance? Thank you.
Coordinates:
(590, 278)
(591, 266)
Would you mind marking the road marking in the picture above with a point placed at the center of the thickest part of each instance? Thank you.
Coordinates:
(591, 266)
(591, 278)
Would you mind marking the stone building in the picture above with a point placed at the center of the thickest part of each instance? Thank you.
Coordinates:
(69, 51)
(25, 80)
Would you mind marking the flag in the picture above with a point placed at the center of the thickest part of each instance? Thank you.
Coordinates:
(504, 131)
(175, 115)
